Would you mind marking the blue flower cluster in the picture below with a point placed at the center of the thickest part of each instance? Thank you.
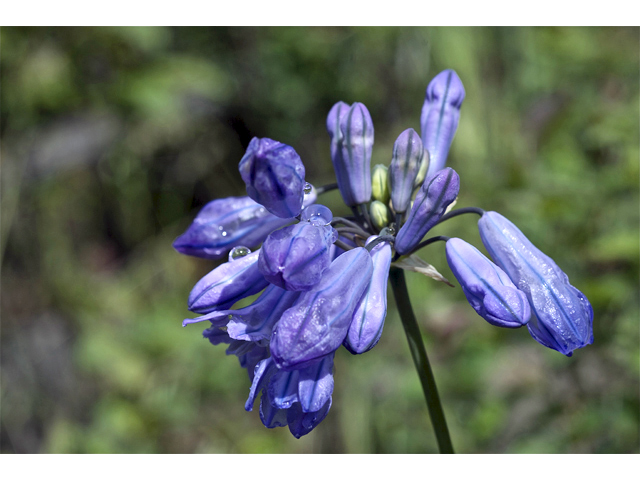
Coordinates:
(324, 279)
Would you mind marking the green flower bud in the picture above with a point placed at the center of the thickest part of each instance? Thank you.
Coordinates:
(380, 184)
(379, 214)
(424, 166)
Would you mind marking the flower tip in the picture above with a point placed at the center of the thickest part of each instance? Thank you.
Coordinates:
(446, 86)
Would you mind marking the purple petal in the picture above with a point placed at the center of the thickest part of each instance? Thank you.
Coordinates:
(283, 389)
(318, 322)
(433, 198)
(226, 284)
(315, 384)
(440, 116)
(301, 423)
(563, 316)
(368, 318)
(405, 164)
(274, 176)
(271, 416)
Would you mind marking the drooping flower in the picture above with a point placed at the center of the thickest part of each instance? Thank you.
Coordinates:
(437, 192)
(351, 131)
(230, 222)
(368, 317)
(563, 317)
(295, 257)
(440, 116)
(403, 171)
(274, 176)
(226, 284)
(488, 289)
(318, 322)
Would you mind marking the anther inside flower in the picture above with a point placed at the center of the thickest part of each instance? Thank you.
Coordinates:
(324, 278)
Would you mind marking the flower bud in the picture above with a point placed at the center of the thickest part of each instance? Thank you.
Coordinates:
(405, 164)
(440, 115)
(368, 318)
(318, 322)
(488, 289)
(351, 145)
(274, 176)
(379, 214)
(226, 284)
(294, 257)
(437, 192)
(380, 183)
(563, 317)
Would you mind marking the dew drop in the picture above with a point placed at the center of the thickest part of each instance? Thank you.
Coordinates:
(223, 233)
(238, 252)
(317, 215)
(390, 230)
(308, 188)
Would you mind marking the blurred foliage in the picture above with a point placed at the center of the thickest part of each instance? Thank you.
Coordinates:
(113, 138)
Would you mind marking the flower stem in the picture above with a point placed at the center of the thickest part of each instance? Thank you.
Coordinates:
(420, 359)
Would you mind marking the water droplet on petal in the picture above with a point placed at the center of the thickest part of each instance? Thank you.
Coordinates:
(308, 188)
(238, 252)
(390, 230)
(317, 215)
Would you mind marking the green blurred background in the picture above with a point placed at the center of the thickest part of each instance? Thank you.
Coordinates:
(113, 138)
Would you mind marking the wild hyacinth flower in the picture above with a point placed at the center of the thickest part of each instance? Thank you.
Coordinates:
(403, 171)
(318, 322)
(295, 257)
(488, 289)
(437, 192)
(323, 288)
(231, 222)
(351, 131)
(366, 326)
(274, 175)
(440, 116)
(563, 316)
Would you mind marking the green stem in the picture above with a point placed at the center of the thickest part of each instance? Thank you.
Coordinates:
(420, 359)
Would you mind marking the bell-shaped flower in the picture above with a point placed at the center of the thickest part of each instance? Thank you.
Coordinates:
(274, 176)
(437, 192)
(403, 171)
(231, 222)
(226, 284)
(488, 289)
(351, 131)
(225, 223)
(563, 317)
(368, 318)
(439, 117)
(294, 257)
(318, 322)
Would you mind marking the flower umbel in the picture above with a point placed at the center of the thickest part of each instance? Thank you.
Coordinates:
(323, 279)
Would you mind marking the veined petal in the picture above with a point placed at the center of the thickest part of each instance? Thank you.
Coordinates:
(370, 312)
(315, 384)
(318, 322)
(274, 176)
(283, 389)
(271, 416)
(294, 257)
(261, 376)
(563, 316)
(301, 423)
(403, 171)
(440, 116)
(226, 284)
(437, 192)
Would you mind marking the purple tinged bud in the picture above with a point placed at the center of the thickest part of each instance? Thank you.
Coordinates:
(226, 284)
(301, 423)
(226, 223)
(440, 115)
(274, 175)
(351, 131)
(318, 322)
(487, 287)
(405, 164)
(563, 317)
(294, 257)
(437, 192)
(368, 318)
